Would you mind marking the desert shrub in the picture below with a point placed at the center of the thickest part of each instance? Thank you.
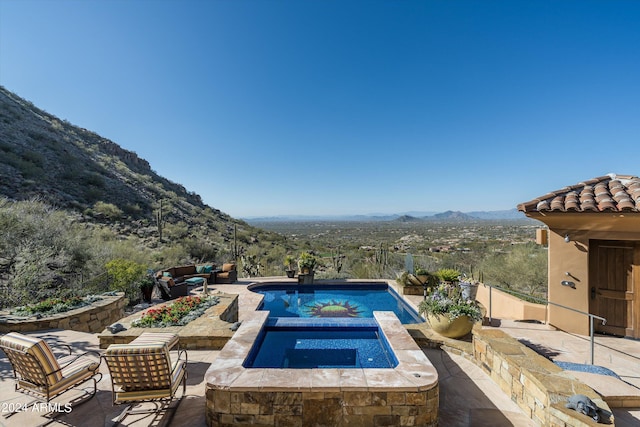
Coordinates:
(42, 251)
(34, 157)
(168, 256)
(201, 250)
(125, 276)
(177, 231)
(92, 193)
(94, 179)
(523, 268)
(107, 210)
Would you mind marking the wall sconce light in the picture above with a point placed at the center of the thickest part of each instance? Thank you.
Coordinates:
(568, 283)
(566, 238)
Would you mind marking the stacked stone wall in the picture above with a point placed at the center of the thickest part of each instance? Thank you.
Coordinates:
(92, 318)
(334, 408)
(537, 385)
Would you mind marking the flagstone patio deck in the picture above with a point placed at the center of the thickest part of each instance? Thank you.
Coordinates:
(468, 396)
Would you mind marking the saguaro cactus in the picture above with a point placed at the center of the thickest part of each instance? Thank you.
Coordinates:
(160, 220)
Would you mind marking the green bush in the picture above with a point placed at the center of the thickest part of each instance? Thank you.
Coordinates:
(448, 274)
(126, 276)
(107, 210)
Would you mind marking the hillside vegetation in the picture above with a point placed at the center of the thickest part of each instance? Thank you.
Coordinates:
(71, 200)
(74, 206)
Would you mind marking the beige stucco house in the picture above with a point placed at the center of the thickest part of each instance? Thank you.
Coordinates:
(594, 253)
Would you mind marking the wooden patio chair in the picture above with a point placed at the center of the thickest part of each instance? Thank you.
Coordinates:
(145, 373)
(38, 373)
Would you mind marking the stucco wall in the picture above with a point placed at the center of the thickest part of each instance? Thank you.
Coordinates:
(569, 262)
(573, 258)
(505, 306)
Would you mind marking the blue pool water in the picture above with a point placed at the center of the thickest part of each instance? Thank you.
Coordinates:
(307, 345)
(353, 300)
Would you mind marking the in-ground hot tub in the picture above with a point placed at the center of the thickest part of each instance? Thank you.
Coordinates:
(306, 344)
(404, 395)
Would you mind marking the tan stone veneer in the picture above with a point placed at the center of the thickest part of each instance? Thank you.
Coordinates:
(209, 331)
(537, 385)
(405, 395)
(91, 318)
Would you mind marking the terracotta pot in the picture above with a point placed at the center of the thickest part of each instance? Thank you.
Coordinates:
(443, 325)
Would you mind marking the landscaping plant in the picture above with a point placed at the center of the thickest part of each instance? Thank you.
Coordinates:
(179, 313)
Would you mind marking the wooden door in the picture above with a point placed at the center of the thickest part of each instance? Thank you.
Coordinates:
(613, 294)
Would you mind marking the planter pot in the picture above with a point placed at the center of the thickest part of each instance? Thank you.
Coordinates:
(305, 279)
(443, 325)
(412, 290)
(146, 294)
(291, 274)
(469, 290)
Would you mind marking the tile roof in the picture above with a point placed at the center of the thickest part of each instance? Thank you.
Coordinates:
(609, 193)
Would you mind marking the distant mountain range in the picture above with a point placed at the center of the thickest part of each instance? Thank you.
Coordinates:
(414, 216)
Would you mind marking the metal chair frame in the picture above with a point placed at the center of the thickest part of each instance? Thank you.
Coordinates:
(111, 361)
(41, 390)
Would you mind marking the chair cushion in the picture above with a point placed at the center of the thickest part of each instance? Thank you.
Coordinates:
(76, 371)
(37, 348)
(184, 270)
(195, 280)
(228, 267)
(168, 338)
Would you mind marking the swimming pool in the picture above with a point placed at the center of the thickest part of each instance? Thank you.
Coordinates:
(306, 344)
(341, 300)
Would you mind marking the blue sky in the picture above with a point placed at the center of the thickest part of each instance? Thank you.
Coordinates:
(342, 107)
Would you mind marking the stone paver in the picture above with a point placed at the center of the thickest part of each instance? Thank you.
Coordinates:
(620, 355)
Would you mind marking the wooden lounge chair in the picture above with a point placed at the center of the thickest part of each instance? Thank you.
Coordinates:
(145, 373)
(38, 373)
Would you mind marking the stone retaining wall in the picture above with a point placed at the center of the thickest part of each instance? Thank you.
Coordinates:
(210, 331)
(92, 318)
(537, 385)
(340, 408)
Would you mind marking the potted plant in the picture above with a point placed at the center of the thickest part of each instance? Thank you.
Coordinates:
(448, 275)
(426, 279)
(289, 263)
(449, 313)
(306, 263)
(146, 285)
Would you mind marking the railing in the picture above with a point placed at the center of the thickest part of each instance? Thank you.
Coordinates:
(544, 301)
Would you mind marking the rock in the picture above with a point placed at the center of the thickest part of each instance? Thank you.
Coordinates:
(116, 327)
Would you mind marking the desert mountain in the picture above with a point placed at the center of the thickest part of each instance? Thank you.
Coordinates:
(71, 168)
